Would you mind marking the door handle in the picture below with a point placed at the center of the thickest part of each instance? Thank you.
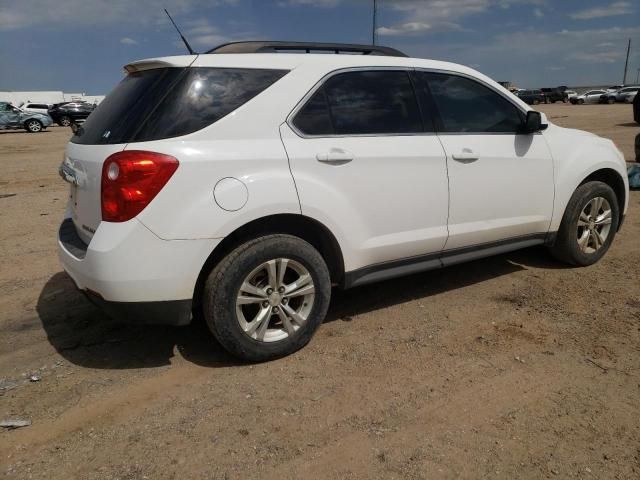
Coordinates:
(335, 156)
(467, 155)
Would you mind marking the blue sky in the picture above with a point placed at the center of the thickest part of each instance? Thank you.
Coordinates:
(81, 45)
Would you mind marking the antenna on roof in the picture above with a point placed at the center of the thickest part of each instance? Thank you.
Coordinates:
(186, 44)
(375, 21)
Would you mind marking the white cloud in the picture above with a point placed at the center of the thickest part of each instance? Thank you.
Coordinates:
(27, 13)
(201, 33)
(577, 45)
(435, 15)
(575, 51)
(612, 10)
(596, 57)
(405, 29)
(128, 41)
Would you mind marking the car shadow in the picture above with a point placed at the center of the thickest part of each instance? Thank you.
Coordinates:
(85, 336)
(359, 300)
(629, 124)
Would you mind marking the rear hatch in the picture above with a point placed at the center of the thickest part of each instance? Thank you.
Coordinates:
(82, 168)
(157, 100)
(109, 128)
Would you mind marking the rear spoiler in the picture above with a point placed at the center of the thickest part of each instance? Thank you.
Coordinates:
(165, 62)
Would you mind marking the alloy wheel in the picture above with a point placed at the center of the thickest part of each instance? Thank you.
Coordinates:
(594, 225)
(275, 300)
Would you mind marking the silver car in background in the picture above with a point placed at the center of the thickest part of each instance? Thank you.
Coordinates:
(627, 94)
(14, 118)
(591, 96)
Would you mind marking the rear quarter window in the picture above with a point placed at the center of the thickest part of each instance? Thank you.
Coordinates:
(171, 102)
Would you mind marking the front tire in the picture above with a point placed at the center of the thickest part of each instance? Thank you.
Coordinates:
(65, 121)
(33, 126)
(267, 297)
(581, 102)
(588, 226)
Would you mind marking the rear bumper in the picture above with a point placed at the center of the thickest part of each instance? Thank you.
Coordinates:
(134, 275)
(176, 312)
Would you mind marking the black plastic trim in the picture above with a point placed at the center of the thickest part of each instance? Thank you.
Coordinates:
(432, 261)
(70, 239)
(174, 312)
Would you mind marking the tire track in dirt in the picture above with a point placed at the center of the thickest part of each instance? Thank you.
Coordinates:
(114, 406)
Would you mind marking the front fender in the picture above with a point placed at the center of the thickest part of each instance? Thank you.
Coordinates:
(576, 156)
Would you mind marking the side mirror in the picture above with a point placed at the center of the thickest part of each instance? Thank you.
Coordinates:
(533, 122)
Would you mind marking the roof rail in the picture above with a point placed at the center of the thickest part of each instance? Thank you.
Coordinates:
(308, 47)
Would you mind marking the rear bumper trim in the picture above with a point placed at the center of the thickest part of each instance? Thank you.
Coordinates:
(173, 312)
(70, 239)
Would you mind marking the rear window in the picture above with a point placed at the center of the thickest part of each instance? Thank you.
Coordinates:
(170, 102)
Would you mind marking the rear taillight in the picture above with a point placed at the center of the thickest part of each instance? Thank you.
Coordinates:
(130, 180)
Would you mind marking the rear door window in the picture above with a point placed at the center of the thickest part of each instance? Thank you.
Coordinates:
(362, 103)
(170, 102)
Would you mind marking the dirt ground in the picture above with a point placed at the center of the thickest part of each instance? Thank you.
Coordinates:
(509, 367)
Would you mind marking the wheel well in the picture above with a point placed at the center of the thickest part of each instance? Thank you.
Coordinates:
(300, 226)
(614, 180)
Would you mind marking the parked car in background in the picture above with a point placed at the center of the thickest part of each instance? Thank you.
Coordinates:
(589, 97)
(627, 94)
(64, 114)
(608, 97)
(553, 95)
(14, 118)
(230, 186)
(531, 97)
(36, 107)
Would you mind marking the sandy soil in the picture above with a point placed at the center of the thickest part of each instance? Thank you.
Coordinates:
(508, 367)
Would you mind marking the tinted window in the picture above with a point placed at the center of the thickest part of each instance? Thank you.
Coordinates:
(467, 106)
(314, 118)
(37, 105)
(170, 102)
(374, 102)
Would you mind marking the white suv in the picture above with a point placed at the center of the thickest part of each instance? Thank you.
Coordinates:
(243, 186)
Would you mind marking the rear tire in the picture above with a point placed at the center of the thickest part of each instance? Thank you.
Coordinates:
(65, 121)
(258, 313)
(588, 226)
(33, 126)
